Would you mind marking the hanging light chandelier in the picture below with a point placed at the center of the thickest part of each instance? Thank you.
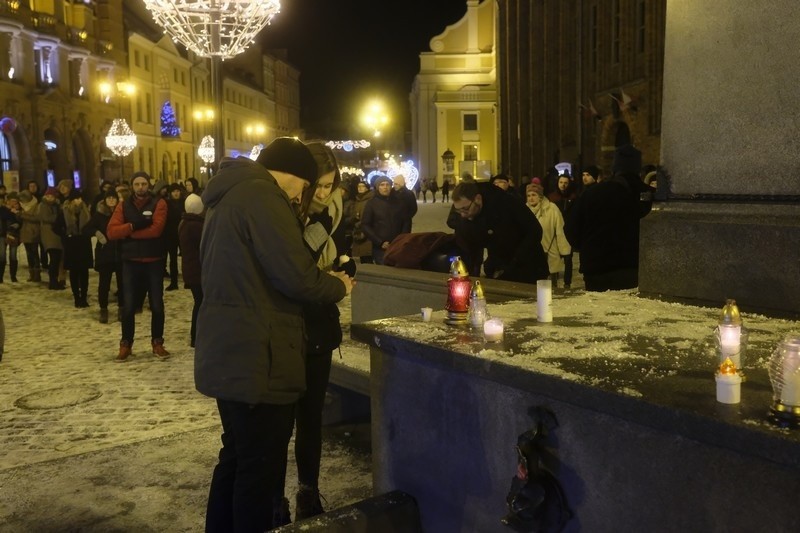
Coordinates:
(206, 149)
(120, 138)
(209, 28)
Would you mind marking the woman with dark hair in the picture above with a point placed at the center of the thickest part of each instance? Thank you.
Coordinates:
(322, 213)
(192, 187)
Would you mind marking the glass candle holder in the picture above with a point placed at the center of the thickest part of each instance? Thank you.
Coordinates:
(784, 375)
(493, 330)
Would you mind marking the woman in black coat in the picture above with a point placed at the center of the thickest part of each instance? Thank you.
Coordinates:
(77, 246)
(107, 258)
(189, 232)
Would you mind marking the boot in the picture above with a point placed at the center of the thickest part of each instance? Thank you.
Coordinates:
(14, 266)
(307, 503)
(30, 275)
(158, 349)
(280, 513)
(37, 275)
(2, 269)
(104, 315)
(124, 351)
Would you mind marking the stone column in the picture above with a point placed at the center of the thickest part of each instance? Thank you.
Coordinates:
(731, 146)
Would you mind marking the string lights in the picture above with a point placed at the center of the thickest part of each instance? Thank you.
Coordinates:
(120, 138)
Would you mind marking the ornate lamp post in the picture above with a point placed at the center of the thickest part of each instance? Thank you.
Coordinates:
(219, 29)
(448, 164)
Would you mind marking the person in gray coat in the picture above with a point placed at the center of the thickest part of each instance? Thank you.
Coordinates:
(249, 350)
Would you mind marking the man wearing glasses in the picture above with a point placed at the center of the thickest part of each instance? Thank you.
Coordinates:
(486, 218)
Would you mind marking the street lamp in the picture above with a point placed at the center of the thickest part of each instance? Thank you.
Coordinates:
(219, 29)
(375, 117)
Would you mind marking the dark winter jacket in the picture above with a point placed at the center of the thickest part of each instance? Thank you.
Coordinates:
(175, 211)
(604, 225)
(106, 255)
(257, 273)
(408, 201)
(77, 246)
(50, 217)
(383, 219)
(510, 234)
(189, 232)
(362, 246)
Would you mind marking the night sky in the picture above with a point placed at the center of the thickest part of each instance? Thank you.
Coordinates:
(348, 51)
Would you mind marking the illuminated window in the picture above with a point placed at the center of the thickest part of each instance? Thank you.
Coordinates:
(5, 153)
(470, 152)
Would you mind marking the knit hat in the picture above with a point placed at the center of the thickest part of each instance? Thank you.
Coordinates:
(535, 187)
(194, 204)
(25, 196)
(12, 196)
(593, 171)
(289, 155)
(501, 177)
(140, 173)
(52, 191)
(74, 194)
(627, 160)
(380, 179)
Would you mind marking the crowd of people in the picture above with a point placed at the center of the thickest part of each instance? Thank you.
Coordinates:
(262, 251)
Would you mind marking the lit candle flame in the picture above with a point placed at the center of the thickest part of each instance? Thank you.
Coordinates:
(727, 367)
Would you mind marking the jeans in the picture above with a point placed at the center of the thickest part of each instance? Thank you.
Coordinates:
(138, 277)
(32, 253)
(308, 417)
(172, 253)
(12, 251)
(104, 284)
(248, 479)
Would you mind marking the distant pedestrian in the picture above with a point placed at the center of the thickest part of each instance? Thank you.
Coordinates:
(77, 247)
(138, 223)
(407, 200)
(174, 213)
(189, 232)
(10, 226)
(434, 187)
(384, 218)
(107, 258)
(445, 190)
(554, 243)
(362, 246)
(51, 228)
(29, 234)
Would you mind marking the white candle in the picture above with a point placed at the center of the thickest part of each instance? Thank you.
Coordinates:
(729, 388)
(493, 330)
(544, 300)
(730, 343)
(790, 392)
(426, 314)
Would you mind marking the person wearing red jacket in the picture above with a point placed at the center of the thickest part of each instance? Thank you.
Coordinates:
(138, 222)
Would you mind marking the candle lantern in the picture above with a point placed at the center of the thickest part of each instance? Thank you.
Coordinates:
(784, 374)
(477, 306)
(458, 290)
(729, 383)
(731, 336)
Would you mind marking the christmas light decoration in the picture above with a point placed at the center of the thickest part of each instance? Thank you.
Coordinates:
(120, 138)
(222, 28)
(255, 151)
(347, 146)
(169, 123)
(206, 150)
(406, 168)
(353, 171)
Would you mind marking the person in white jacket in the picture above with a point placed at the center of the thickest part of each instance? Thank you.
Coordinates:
(554, 242)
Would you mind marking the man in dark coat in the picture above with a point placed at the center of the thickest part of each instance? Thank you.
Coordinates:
(383, 218)
(604, 225)
(256, 275)
(486, 217)
(407, 200)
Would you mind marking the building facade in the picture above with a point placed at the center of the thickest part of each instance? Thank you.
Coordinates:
(578, 78)
(68, 68)
(454, 98)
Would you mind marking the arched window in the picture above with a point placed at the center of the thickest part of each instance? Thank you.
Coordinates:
(5, 153)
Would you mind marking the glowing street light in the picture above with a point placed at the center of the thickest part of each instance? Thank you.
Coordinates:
(375, 117)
